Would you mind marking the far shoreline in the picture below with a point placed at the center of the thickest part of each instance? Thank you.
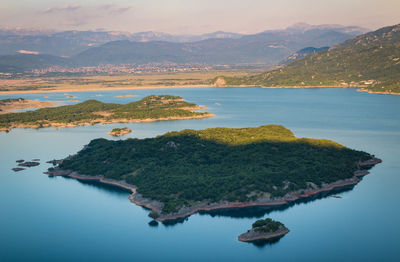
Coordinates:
(65, 90)
(151, 87)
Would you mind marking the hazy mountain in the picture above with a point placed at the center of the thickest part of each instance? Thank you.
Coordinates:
(93, 48)
(265, 48)
(370, 60)
(69, 43)
(24, 62)
(354, 30)
(302, 53)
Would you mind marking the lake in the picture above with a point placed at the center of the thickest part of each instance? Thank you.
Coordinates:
(60, 219)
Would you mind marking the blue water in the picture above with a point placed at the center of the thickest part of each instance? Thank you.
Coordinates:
(60, 219)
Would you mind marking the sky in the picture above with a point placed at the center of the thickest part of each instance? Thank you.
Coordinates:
(194, 16)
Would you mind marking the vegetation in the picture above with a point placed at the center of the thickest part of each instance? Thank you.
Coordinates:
(92, 111)
(120, 131)
(266, 225)
(242, 164)
(371, 61)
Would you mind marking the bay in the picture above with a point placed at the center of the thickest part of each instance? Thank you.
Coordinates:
(48, 219)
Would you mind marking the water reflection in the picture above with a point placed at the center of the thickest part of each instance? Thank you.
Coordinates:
(260, 211)
(266, 242)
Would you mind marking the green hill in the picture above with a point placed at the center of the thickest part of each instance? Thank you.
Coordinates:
(370, 61)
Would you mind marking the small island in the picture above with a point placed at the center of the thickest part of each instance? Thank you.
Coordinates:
(264, 229)
(120, 131)
(181, 173)
(90, 112)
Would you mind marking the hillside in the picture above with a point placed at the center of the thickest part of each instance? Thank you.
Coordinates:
(191, 168)
(302, 53)
(371, 61)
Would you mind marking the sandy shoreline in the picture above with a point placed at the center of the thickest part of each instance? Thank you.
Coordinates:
(156, 206)
(17, 105)
(65, 90)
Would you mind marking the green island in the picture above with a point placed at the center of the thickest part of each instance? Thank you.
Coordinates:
(264, 229)
(370, 61)
(120, 131)
(90, 112)
(180, 173)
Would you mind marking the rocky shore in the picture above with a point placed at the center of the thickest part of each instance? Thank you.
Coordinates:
(252, 235)
(184, 212)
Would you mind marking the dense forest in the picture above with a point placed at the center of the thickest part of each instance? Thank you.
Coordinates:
(234, 164)
(371, 61)
(92, 111)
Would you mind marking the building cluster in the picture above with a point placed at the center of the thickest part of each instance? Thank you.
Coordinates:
(126, 69)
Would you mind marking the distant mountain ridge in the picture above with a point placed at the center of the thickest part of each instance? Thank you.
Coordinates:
(89, 48)
(69, 43)
(371, 61)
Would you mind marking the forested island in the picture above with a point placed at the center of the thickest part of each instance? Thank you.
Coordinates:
(120, 131)
(180, 173)
(264, 229)
(90, 112)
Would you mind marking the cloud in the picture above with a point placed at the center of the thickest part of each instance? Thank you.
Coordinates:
(72, 7)
(114, 9)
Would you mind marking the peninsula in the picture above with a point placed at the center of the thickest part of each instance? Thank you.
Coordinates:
(264, 229)
(180, 173)
(10, 104)
(90, 112)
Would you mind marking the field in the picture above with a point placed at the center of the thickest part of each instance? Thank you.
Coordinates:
(107, 82)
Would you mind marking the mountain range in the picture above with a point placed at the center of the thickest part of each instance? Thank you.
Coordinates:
(91, 48)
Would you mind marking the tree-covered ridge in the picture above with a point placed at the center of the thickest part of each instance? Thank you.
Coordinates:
(183, 168)
(92, 111)
(371, 61)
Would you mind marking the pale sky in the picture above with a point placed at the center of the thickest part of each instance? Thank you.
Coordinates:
(194, 16)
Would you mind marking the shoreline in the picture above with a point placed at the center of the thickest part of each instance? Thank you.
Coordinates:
(34, 103)
(184, 212)
(358, 88)
(262, 236)
(102, 122)
(65, 90)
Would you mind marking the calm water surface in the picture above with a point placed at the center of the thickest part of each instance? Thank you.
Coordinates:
(60, 219)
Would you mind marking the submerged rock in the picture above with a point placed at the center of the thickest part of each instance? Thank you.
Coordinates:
(29, 164)
(17, 169)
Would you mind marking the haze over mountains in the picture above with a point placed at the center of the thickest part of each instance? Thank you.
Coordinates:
(92, 48)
